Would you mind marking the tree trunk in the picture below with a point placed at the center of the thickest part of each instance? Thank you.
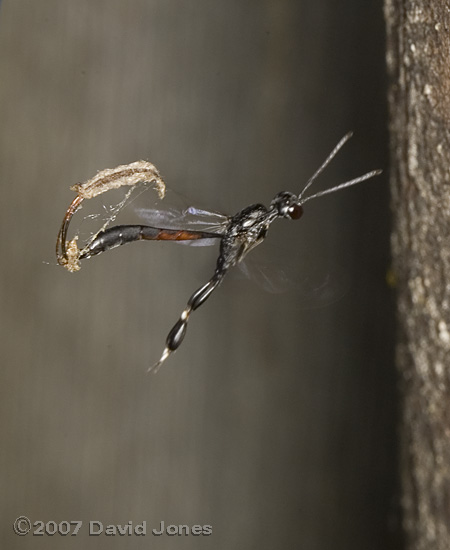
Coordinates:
(418, 42)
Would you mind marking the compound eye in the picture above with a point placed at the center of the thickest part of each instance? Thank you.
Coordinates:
(295, 211)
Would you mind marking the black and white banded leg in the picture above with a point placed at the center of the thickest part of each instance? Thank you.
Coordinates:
(178, 331)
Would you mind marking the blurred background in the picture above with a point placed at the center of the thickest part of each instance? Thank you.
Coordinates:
(274, 423)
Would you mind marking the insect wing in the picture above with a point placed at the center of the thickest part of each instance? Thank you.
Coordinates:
(175, 212)
(276, 269)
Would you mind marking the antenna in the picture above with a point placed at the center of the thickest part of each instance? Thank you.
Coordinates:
(343, 185)
(337, 187)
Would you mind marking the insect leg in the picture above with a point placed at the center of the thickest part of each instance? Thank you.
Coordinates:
(178, 332)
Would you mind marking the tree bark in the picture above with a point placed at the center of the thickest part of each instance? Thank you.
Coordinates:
(418, 45)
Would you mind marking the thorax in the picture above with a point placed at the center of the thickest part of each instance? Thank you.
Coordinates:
(246, 229)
